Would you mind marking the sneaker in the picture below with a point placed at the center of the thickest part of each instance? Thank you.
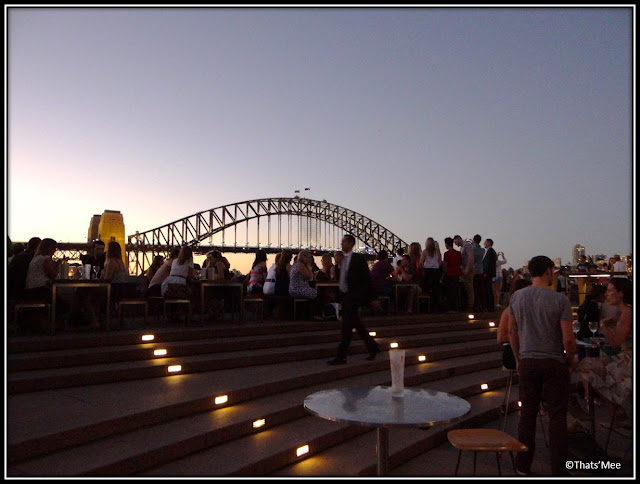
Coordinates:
(337, 361)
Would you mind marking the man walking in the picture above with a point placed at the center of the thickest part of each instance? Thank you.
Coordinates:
(356, 289)
(540, 333)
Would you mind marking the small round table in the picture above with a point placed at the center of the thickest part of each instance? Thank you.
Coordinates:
(375, 407)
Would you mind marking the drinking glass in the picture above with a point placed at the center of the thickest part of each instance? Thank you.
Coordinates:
(576, 326)
(593, 326)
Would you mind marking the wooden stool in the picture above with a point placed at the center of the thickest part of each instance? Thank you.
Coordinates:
(296, 301)
(31, 305)
(178, 301)
(484, 440)
(133, 302)
(258, 305)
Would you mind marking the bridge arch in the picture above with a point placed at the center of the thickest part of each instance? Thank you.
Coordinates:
(304, 216)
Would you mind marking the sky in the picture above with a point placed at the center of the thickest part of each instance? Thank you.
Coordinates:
(512, 123)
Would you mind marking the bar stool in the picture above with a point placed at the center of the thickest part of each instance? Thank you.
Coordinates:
(257, 303)
(485, 440)
(170, 302)
(299, 300)
(19, 306)
(133, 302)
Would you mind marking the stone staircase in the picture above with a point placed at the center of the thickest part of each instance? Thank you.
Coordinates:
(103, 405)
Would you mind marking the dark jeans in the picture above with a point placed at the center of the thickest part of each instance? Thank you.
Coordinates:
(546, 380)
(489, 299)
(351, 320)
(479, 293)
(453, 291)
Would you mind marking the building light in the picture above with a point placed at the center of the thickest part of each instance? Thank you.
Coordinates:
(484, 386)
(372, 333)
(393, 345)
(491, 324)
(174, 368)
(302, 450)
(148, 337)
(258, 423)
(471, 316)
(422, 358)
(161, 352)
(221, 399)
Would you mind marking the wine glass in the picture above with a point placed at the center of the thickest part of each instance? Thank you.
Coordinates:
(593, 326)
(576, 326)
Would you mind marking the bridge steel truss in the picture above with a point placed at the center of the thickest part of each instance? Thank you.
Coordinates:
(194, 229)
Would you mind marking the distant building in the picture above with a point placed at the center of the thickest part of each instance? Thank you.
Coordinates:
(578, 250)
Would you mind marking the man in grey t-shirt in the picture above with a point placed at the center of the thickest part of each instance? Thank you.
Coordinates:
(541, 336)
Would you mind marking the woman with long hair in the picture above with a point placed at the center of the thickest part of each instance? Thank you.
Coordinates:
(431, 264)
(258, 273)
(182, 271)
(283, 268)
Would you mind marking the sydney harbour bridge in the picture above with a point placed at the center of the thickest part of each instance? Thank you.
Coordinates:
(271, 224)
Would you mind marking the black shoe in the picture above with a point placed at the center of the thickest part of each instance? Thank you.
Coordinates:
(372, 354)
(337, 361)
(523, 472)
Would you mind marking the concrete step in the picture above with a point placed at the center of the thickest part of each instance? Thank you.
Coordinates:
(241, 352)
(104, 417)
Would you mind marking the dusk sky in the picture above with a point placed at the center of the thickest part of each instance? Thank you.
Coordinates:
(512, 123)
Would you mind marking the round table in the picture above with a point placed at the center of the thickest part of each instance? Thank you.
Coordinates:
(374, 406)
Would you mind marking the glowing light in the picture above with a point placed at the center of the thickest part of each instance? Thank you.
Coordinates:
(221, 399)
(174, 368)
(519, 403)
(372, 333)
(159, 352)
(302, 450)
(491, 324)
(484, 386)
(422, 358)
(393, 345)
(471, 316)
(258, 423)
(148, 337)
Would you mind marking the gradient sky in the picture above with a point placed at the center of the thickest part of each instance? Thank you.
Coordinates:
(514, 123)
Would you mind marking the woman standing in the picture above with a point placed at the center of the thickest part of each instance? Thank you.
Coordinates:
(431, 264)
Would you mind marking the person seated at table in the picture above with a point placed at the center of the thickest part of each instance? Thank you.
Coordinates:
(299, 277)
(407, 276)
(589, 310)
(611, 376)
(220, 266)
(269, 287)
(41, 273)
(326, 273)
(283, 268)
(158, 260)
(182, 270)
(154, 289)
(116, 272)
(383, 275)
(258, 273)
(18, 267)
(95, 257)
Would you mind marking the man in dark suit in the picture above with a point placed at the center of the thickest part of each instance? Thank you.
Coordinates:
(489, 269)
(356, 289)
